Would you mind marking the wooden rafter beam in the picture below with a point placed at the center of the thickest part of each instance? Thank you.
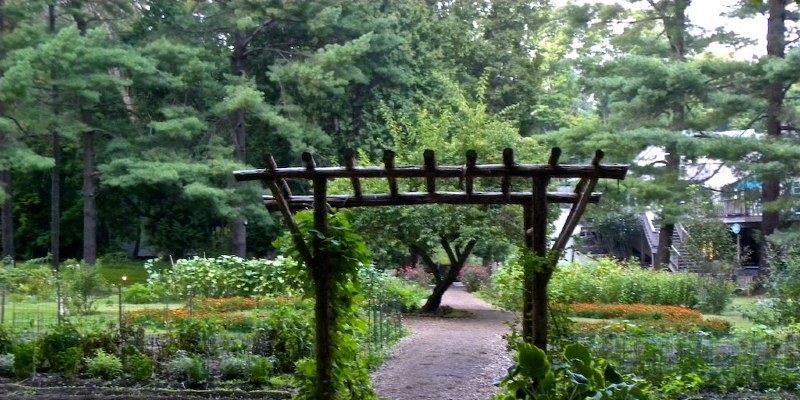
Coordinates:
(416, 198)
(607, 171)
(584, 189)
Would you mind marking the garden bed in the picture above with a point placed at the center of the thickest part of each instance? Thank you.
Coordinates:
(53, 387)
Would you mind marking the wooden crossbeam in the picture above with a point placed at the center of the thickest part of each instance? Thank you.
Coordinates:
(607, 171)
(416, 198)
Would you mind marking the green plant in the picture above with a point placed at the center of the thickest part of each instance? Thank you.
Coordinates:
(286, 336)
(70, 362)
(602, 281)
(534, 377)
(716, 293)
(474, 277)
(261, 369)
(139, 367)
(104, 365)
(189, 369)
(59, 339)
(194, 335)
(25, 359)
(6, 344)
(140, 293)
(677, 385)
(235, 367)
(7, 365)
(83, 286)
(345, 253)
(227, 276)
(416, 275)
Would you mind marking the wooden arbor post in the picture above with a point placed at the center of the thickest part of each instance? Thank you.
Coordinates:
(534, 204)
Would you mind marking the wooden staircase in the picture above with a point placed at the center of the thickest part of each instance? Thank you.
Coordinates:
(679, 256)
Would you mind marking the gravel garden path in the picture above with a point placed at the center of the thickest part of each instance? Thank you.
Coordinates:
(448, 358)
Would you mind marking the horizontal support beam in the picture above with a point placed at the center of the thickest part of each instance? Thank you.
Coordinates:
(418, 198)
(609, 171)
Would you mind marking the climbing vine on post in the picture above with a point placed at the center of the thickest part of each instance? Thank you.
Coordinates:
(338, 370)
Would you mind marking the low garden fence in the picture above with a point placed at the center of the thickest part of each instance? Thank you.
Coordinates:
(757, 356)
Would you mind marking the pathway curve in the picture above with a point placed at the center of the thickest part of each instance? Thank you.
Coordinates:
(456, 358)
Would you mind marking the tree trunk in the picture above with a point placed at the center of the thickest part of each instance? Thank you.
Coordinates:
(89, 166)
(55, 219)
(7, 216)
(431, 266)
(7, 213)
(776, 48)
(239, 137)
(89, 198)
(664, 246)
(675, 26)
(457, 262)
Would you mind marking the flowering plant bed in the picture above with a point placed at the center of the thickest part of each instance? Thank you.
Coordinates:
(658, 318)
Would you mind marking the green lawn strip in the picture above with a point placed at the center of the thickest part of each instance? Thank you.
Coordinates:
(134, 273)
(733, 313)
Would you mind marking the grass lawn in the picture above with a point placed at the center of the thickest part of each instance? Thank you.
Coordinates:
(733, 313)
(133, 270)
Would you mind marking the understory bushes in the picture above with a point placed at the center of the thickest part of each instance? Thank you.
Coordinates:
(604, 281)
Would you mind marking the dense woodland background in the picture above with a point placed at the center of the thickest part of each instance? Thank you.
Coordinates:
(121, 121)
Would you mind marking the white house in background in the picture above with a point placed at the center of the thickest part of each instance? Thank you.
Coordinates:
(737, 200)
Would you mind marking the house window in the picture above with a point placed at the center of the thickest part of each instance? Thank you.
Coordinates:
(796, 187)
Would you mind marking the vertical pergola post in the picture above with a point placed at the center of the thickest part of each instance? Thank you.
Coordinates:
(323, 301)
(541, 272)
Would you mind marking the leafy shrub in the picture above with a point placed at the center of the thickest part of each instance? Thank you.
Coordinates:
(286, 336)
(84, 286)
(106, 339)
(6, 344)
(139, 293)
(236, 367)
(604, 281)
(29, 279)
(194, 335)
(139, 367)
(7, 365)
(260, 369)
(417, 275)
(533, 376)
(716, 293)
(59, 339)
(25, 359)
(474, 278)
(387, 289)
(192, 370)
(104, 366)
(70, 362)
(228, 276)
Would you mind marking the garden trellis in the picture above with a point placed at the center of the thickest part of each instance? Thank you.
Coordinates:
(534, 203)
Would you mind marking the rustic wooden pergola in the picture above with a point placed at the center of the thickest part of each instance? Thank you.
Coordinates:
(534, 202)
